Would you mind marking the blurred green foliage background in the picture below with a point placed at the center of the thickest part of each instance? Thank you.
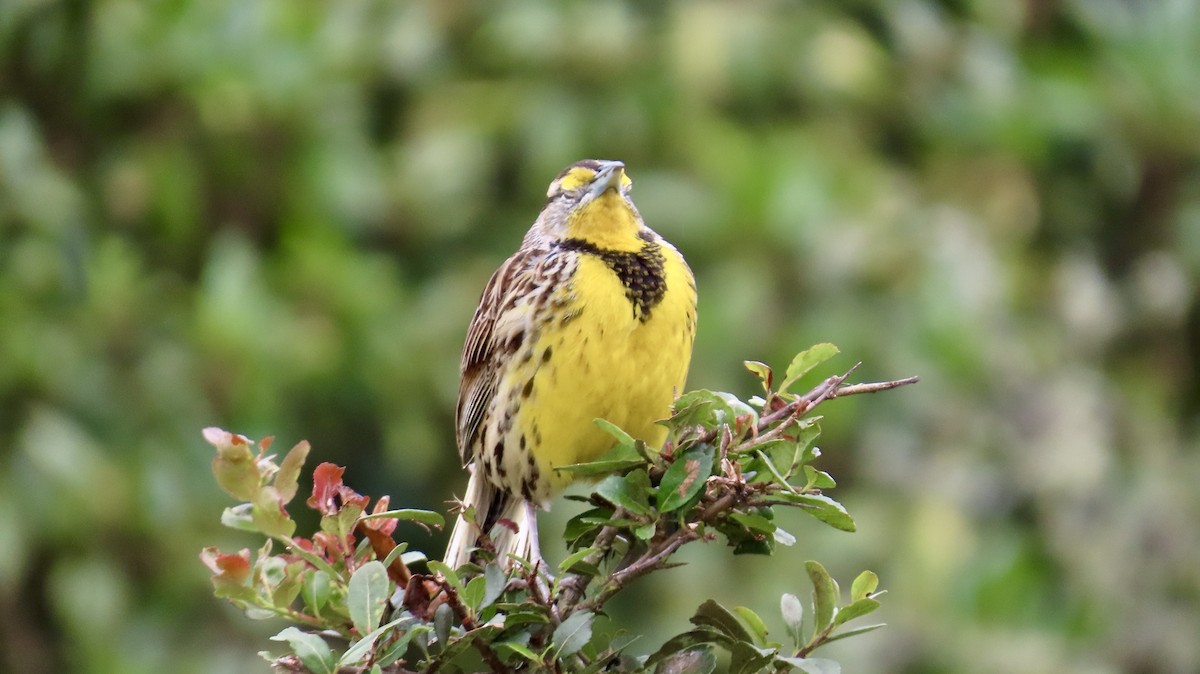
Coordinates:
(277, 216)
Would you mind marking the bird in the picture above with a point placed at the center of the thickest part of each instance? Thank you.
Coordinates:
(593, 317)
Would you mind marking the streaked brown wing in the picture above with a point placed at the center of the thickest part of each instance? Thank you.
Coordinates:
(485, 351)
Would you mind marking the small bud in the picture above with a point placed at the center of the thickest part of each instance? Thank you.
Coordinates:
(793, 611)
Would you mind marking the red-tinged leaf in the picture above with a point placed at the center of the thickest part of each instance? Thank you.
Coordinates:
(327, 485)
(330, 545)
(230, 573)
(304, 544)
(235, 568)
(223, 439)
(265, 443)
(381, 524)
(339, 504)
(762, 371)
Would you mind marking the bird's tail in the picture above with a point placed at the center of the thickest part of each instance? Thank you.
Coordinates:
(511, 522)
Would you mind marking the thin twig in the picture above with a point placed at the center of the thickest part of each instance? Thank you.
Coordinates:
(855, 389)
(797, 407)
(655, 557)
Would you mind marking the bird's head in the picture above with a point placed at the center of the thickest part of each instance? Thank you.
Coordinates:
(590, 200)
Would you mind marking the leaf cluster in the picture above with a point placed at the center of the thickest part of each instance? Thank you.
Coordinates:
(357, 605)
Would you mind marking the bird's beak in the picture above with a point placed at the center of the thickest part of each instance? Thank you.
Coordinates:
(609, 176)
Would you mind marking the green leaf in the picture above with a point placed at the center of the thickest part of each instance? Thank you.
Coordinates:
(599, 468)
(686, 477)
(754, 522)
(865, 584)
(807, 432)
(234, 466)
(343, 522)
(316, 591)
(396, 650)
(734, 407)
(516, 615)
(625, 442)
(821, 507)
(239, 517)
(631, 492)
(680, 642)
(519, 649)
(310, 648)
(746, 658)
(316, 560)
(824, 594)
(855, 609)
(472, 594)
(755, 546)
(461, 644)
(366, 596)
(780, 458)
(622, 457)
(495, 582)
(806, 361)
(755, 623)
(396, 552)
(695, 660)
(288, 476)
(568, 565)
(443, 618)
(712, 614)
(761, 371)
(818, 478)
(579, 526)
(290, 586)
(573, 633)
(269, 516)
(359, 649)
(793, 616)
(785, 455)
(273, 571)
(410, 515)
(813, 665)
(695, 408)
(842, 634)
(446, 572)
(780, 479)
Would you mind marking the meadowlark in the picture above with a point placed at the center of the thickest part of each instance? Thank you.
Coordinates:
(593, 317)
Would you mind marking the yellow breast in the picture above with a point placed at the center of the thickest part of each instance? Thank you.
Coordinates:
(602, 358)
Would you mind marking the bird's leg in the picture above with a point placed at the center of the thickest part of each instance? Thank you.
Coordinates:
(535, 544)
(541, 572)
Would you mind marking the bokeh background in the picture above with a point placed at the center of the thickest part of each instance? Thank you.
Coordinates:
(277, 216)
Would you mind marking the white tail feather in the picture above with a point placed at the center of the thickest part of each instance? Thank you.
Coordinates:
(482, 496)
